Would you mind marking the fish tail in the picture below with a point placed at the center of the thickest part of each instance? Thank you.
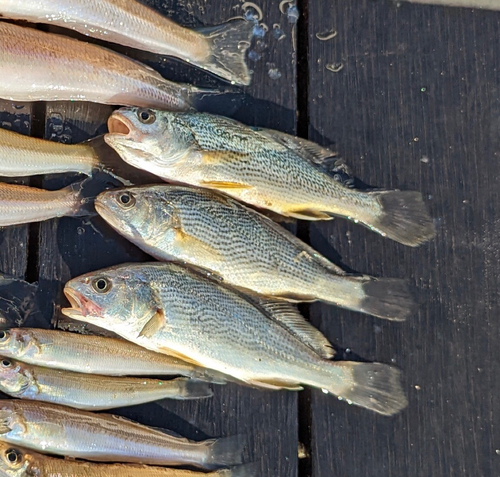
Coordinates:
(192, 389)
(390, 299)
(224, 452)
(228, 44)
(79, 205)
(403, 217)
(246, 470)
(374, 386)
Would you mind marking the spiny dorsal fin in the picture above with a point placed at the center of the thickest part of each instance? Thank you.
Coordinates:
(288, 316)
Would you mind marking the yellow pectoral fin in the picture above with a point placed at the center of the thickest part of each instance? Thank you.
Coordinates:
(156, 322)
(188, 242)
(275, 384)
(224, 185)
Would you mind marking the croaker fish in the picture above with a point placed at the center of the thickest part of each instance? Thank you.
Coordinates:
(101, 437)
(220, 49)
(93, 354)
(265, 168)
(217, 233)
(18, 462)
(39, 66)
(91, 391)
(21, 204)
(161, 306)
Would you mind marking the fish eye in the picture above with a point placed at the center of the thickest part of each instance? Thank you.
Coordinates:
(101, 285)
(13, 456)
(6, 363)
(3, 335)
(146, 116)
(126, 200)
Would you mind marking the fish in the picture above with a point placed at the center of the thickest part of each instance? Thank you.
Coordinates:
(162, 306)
(220, 49)
(94, 355)
(100, 437)
(18, 462)
(245, 249)
(265, 168)
(21, 204)
(91, 391)
(40, 66)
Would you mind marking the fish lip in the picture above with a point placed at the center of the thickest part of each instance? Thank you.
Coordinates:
(80, 306)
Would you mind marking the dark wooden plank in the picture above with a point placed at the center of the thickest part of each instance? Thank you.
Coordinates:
(71, 246)
(14, 240)
(415, 106)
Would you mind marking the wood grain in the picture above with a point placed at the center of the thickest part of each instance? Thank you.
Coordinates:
(415, 106)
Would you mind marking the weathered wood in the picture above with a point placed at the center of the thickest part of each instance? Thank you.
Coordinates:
(415, 106)
(69, 246)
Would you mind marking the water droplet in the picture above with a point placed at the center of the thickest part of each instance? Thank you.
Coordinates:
(416, 139)
(425, 159)
(274, 73)
(293, 14)
(498, 451)
(417, 387)
(334, 67)
(326, 35)
(423, 89)
(325, 391)
(254, 56)
(80, 230)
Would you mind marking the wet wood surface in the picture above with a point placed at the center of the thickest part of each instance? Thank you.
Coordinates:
(409, 96)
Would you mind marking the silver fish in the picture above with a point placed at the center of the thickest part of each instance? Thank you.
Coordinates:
(21, 204)
(19, 462)
(61, 430)
(220, 49)
(247, 250)
(39, 66)
(93, 355)
(265, 168)
(91, 391)
(169, 308)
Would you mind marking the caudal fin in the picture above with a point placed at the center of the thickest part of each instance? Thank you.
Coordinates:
(403, 217)
(390, 299)
(374, 386)
(229, 43)
(225, 452)
(192, 389)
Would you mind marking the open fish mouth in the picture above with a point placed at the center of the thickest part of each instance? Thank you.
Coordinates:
(119, 125)
(80, 306)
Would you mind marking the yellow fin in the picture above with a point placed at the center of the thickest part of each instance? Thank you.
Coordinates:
(275, 384)
(154, 324)
(309, 214)
(222, 185)
(190, 242)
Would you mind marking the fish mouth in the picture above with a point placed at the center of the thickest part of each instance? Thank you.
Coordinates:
(119, 125)
(80, 306)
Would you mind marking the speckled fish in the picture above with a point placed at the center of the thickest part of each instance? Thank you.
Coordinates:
(93, 354)
(265, 168)
(39, 66)
(246, 249)
(220, 49)
(101, 437)
(18, 462)
(91, 391)
(21, 204)
(162, 306)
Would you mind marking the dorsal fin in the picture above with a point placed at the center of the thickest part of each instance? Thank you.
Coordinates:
(289, 317)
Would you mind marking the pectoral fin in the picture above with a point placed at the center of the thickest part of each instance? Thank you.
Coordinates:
(188, 242)
(156, 322)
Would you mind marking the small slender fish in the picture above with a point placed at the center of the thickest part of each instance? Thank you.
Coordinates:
(265, 168)
(94, 355)
(161, 306)
(21, 204)
(91, 391)
(100, 437)
(18, 462)
(39, 66)
(220, 49)
(247, 250)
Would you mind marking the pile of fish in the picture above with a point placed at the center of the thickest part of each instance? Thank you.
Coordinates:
(219, 304)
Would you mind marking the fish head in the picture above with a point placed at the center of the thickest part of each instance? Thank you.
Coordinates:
(14, 462)
(118, 299)
(147, 139)
(11, 420)
(13, 342)
(14, 377)
(139, 213)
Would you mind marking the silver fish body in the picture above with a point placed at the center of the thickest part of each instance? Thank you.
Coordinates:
(60, 430)
(19, 462)
(91, 391)
(39, 66)
(234, 335)
(265, 168)
(93, 355)
(247, 250)
(220, 50)
(21, 204)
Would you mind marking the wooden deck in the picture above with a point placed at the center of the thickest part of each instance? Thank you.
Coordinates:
(410, 97)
